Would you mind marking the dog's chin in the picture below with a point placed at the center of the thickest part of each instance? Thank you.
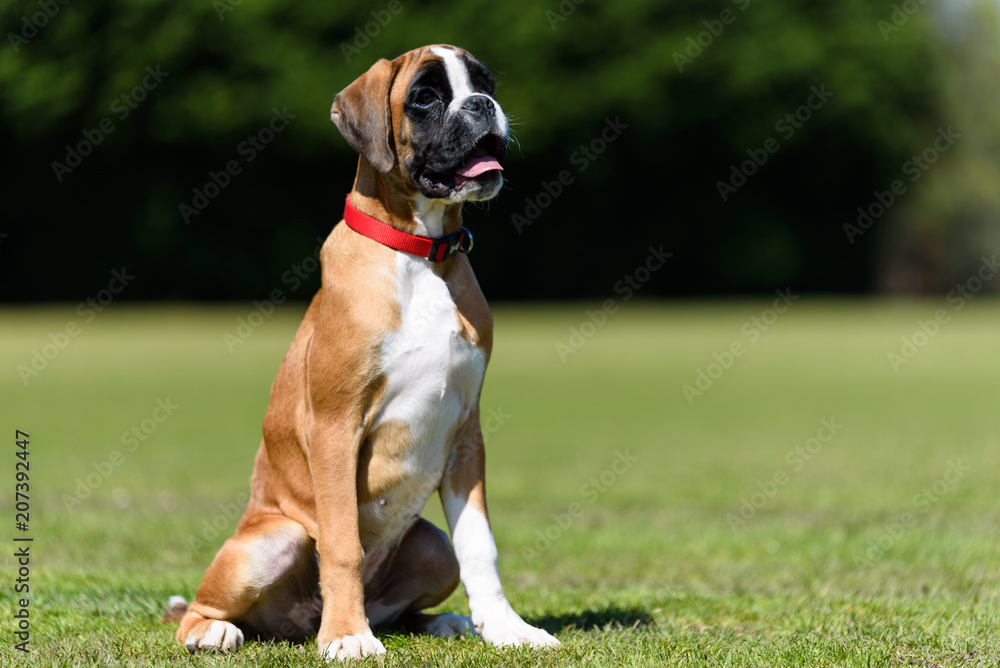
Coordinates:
(458, 188)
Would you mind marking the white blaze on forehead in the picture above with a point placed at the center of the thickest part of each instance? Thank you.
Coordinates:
(458, 74)
(461, 84)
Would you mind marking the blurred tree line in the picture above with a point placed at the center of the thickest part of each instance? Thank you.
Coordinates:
(190, 142)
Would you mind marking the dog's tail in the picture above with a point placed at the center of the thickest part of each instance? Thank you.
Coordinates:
(176, 607)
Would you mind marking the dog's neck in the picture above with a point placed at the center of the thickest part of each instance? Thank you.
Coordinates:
(382, 197)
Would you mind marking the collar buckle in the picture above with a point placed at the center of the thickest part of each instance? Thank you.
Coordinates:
(444, 247)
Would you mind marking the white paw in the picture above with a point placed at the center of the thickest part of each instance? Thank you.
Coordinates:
(219, 636)
(353, 647)
(507, 629)
(447, 625)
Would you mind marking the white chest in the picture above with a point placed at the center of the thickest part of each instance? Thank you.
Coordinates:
(433, 378)
(433, 373)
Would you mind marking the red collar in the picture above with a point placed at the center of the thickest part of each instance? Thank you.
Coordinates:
(435, 250)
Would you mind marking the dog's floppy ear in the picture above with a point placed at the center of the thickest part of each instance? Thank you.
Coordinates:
(362, 114)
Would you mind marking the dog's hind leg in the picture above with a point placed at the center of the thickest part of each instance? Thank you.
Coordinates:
(423, 573)
(264, 581)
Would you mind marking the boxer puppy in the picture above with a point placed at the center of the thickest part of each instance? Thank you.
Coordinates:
(376, 405)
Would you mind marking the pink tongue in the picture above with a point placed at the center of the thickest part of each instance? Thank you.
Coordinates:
(479, 161)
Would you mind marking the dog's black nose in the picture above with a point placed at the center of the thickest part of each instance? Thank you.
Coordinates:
(479, 105)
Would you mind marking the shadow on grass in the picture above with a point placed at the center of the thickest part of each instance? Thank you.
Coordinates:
(589, 620)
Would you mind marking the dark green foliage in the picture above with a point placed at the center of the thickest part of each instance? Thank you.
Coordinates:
(561, 79)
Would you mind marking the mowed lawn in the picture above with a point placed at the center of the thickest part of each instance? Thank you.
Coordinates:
(813, 506)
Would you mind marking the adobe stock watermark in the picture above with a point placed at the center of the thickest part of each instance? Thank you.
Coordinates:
(248, 149)
(928, 329)
(590, 492)
(223, 7)
(564, 11)
(752, 329)
(303, 618)
(292, 277)
(489, 424)
(581, 159)
(922, 503)
(443, 305)
(915, 167)
(786, 126)
(122, 106)
(59, 340)
(31, 25)
(696, 44)
(134, 437)
(627, 286)
(363, 35)
(900, 15)
(796, 458)
(220, 524)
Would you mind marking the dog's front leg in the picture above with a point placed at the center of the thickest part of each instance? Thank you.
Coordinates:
(344, 631)
(463, 495)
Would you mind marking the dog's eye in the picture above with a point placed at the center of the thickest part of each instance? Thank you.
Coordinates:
(425, 97)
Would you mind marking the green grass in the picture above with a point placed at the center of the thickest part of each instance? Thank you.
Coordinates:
(650, 572)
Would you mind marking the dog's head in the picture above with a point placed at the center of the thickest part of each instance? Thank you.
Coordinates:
(429, 120)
